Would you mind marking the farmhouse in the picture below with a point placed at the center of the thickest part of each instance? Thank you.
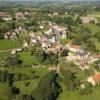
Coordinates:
(74, 48)
(25, 44)
(95, 79)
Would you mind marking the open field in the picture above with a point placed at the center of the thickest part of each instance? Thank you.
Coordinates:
(27, 58)
(94, 14)
(8, 44)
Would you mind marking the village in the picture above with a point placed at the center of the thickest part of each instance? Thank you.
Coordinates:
(46, 42)
(50, 43)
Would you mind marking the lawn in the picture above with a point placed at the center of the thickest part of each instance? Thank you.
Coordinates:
(27, 58)
(8, 44)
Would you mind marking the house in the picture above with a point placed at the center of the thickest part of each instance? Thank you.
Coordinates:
(74, 48)
(31, 34)
(97, 56)
(25, 44)
(33, 40)
(49, 32)
(19, 49)
(66, 13)
(52, 69)
(13, 51)
(54, 48)
(95, 79)
(13, 36)
(45, 44)
(52, 39)
(55, 14)
(19, 16)
(63, 34)
(49, 15)
(59, 31)
(7, 35)
(41, 27)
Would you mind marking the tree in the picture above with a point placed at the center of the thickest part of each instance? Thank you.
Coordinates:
(78, 20)
(96, 64)
(82, 36)
(64, 52)
(15, 90)
(1, 35)
(6, 77)
(50, 59)
(70, 79)
(48, 88)
(90, 46)
(97, 35)
(69, 20)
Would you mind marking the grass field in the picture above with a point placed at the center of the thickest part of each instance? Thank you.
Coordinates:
(8, 44)
(27, 58)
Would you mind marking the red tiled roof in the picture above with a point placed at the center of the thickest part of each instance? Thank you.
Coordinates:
(97, 56)
(96, 77)
(75, 46)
